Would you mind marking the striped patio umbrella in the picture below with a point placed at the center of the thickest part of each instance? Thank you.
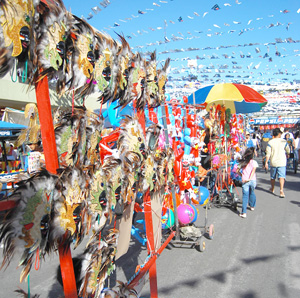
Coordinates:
(240, 99)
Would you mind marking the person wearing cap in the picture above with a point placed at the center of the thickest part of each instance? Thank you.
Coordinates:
(35, 158)
(277, 151)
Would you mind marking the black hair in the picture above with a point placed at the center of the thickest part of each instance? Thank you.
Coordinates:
(247, 156)
(276, 132)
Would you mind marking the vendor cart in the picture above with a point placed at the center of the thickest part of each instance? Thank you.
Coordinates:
(8, 133)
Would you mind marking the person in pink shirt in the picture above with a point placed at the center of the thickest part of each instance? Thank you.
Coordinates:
(247, 168)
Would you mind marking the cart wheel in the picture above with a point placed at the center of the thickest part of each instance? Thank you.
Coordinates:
(200, 246)
(211, 232)
(235, 206)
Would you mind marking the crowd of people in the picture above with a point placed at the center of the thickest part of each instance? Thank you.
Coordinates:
(276, 148)
(29, 157)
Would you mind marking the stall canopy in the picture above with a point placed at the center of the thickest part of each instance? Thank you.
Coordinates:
(10, 130)
(14, 116)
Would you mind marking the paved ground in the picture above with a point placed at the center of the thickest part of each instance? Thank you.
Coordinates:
(256, 257)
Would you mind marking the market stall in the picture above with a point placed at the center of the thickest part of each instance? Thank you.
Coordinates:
(11, 165)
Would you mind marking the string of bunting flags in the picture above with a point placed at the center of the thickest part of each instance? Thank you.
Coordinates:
(195, 14)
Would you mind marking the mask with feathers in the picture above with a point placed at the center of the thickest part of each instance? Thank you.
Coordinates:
(138, 84)
(132, 137)
(74, 191)
(98, 262)
(131, 162)
(53, 29)
(26, 228)
(152, 82)
(77, 136)
(98, 192)
(113, 175)
(149, 173)
(83, 57)
(162, 79)
(106, 66)
(152, 137)
(124, 56)
(16, 21)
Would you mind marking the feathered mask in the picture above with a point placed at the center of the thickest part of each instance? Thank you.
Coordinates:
(53, 31)
(16, 38)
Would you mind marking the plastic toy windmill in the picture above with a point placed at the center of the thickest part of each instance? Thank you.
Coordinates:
(240, 99)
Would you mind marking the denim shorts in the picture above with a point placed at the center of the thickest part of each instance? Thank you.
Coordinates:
(280, 171)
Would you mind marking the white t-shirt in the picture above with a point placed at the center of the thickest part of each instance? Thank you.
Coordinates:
(254, 142)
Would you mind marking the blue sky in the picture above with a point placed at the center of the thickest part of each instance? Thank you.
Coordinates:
(239, 38)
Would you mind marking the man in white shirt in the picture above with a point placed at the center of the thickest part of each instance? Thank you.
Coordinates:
(276, 152)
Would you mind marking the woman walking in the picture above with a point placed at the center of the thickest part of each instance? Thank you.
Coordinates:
(248, 167)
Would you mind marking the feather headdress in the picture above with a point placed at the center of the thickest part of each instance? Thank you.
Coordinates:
(131, 164)
(162, 80)
(52, 29)
(152, 137)
(152, 82)
(135, 90)
(139, 82)
(112, 170)
(106, 67)
(26, 227)
(83, 61)
(32, 134)
(124, 58)
(16, 37)
(132, 137)
(98, 263)
(77, 136)
(99, 206)
(69, 212)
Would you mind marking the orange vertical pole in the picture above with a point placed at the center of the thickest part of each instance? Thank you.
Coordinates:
(46, 122)
(150, 243)
(149, 225)
(51, 159)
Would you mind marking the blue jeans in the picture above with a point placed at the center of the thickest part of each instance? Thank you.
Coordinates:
(248, 195)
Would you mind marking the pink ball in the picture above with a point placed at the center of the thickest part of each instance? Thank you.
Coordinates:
(185, 213)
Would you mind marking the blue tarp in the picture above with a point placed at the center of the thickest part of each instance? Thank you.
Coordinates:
(10, 126)
(9, 130)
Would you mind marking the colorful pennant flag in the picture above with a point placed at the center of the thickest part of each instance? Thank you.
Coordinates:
(216, 7)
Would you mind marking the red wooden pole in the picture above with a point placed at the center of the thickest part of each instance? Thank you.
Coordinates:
(51, 160)
(149, 223)
(150, 243)
(144, 269)
(46, 122)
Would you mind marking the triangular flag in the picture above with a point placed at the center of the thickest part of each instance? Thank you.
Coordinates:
(216, 7)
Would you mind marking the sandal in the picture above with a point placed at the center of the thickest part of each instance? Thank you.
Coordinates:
(282, 195)
(271, 190)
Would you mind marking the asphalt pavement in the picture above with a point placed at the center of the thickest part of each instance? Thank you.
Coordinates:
(256, 257)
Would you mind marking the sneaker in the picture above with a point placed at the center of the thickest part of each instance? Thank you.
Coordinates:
(243, 215)
(252, 208)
